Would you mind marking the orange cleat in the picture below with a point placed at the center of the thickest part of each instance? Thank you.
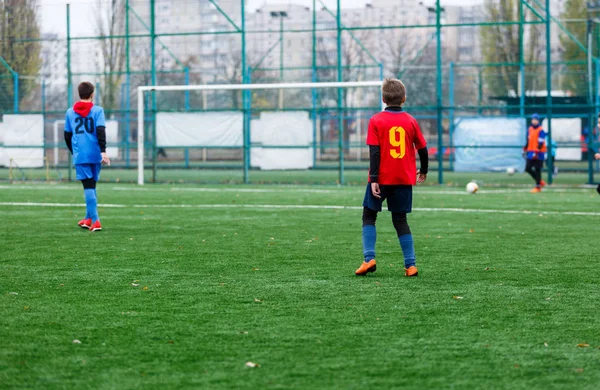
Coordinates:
(411, 271)
(366, 267)
(543, 183)
(85, 223)
(536, 190)
(96, 227)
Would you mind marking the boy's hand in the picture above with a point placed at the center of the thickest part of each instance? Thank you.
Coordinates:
(375, 190)
(421, 177)
(597, 156)
(105, 159)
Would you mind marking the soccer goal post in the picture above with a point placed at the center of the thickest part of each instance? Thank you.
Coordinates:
(197, 126)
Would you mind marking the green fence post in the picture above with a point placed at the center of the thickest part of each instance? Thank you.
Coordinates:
(186, 72)
(479, 90)
(438, 26)
(339, 92)
(245, 74)
(549, 89)
(153, 76)
(16, 93)
(451, 112)
(314, 80)
(521, 60)
(15, 76)
(69, 71)
(596, 112)
(127, 94)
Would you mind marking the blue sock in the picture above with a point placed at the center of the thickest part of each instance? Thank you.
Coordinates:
(91, 203)
(87, 211)
(369, 237)
(408, 248)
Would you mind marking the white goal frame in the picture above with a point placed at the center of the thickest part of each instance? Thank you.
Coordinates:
(226, 87)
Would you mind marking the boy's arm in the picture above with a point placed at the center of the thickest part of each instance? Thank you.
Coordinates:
(374, 162)
(424, 158)
(68, 134)
(421, 146)
(374, 152)
(101, 135)
(541, 139)
(69, 141)
(374, 159)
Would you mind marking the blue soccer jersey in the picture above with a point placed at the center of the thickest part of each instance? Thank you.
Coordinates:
(86, 149)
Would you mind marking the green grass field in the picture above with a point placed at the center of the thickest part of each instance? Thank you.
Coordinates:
(187, 284)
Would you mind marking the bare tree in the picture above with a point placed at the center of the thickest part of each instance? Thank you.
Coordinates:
(18, 20)
(408, 57)
(110, 22)
(353, 55)
(500, 43)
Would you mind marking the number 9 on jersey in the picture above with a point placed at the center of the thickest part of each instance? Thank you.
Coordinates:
(398, 140)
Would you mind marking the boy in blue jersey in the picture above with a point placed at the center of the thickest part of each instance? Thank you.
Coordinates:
(85, 135)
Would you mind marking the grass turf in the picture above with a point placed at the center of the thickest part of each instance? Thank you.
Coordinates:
(502, 300)
(329, 176)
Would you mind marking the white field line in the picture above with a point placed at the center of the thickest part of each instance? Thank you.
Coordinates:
(296, 207)
(422, 191)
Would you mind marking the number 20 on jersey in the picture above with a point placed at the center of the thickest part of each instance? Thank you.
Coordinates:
(398, 141)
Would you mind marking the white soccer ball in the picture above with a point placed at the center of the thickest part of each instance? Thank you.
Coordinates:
(472, 187)
(510, 171)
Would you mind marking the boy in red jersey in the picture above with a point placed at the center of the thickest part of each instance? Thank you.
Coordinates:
(393, 137)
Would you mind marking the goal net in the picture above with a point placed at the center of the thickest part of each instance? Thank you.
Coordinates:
(255, 133)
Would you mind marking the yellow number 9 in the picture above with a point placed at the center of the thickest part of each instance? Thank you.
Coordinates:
(397, 140)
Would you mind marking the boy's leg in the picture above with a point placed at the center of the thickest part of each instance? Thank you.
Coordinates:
(89, 190)
(371, 206)
(598, 189)
(96, 177)
(539, 164)
(369, 233)
(406, 239)
(400, 204)
(83, 173)
(529, 169)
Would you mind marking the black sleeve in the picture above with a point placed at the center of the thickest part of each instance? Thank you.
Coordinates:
(101, 134)
(424, 158)
(375, 160)
(68, 141)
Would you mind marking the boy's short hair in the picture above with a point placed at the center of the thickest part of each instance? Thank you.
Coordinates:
(86, 89)
(393, 92)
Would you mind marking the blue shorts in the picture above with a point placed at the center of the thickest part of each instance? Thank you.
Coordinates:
(399, 198)
(88, 171)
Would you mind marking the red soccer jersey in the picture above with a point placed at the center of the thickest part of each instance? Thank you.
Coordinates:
(399, 136)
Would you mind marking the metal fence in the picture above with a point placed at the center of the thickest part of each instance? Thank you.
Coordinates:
(144, 43)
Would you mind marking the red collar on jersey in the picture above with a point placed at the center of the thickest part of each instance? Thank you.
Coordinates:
(83, 108)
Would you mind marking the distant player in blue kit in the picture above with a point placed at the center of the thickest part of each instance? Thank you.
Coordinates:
(535, 152)
(85, 135)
